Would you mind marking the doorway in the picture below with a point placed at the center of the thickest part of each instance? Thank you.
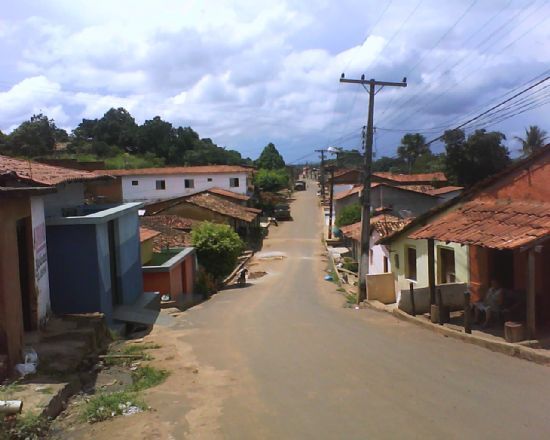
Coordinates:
(447, 273)
(113, 264)
(24, 255)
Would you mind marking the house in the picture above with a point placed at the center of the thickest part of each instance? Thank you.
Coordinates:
(154, 184)
(495, 230)
(93, 251)
(240, 199)
(504, 222)
(446, 193)
(420, 182)
(207, 206)
(402, 202)
(24, 285)
(345, 179)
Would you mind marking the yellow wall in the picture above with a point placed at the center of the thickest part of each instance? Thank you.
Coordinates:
(146, 251)
(399, 247)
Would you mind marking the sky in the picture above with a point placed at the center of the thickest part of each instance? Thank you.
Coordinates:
(246, 73)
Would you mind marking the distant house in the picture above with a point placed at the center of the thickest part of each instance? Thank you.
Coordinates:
(24, 285)
(240, 199)
(93, 251)
(154, 184)
(345, 179)
(211, 207)
(421, 182)
(400, 201)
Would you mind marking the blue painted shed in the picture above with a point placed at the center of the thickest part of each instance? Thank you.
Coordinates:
(94, 259)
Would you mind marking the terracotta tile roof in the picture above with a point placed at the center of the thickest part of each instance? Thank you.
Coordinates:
(206, 169)
(445, 190)
(343, 172)
(254, 210)
(496, 224)
(344, 194)
(403, 178)
(170, 220)
(227, 193)
(169, 237)
(146, 234)
(384, 224)
(47, 175)
(422, 189)
(221, 206)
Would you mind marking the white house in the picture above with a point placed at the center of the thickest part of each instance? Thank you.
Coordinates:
(153, 184)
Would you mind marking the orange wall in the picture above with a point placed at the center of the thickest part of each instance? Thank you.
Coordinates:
(11, 318)
(530, 184)
(110, 190)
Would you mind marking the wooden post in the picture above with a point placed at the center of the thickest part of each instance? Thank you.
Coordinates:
(531, 324)
(413, 307)
(467, 313)
(431, 269)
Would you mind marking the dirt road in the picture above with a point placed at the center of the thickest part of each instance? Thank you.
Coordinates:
(282, 359)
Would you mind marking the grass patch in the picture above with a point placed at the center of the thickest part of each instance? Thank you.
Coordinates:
(29, 427)
(47, 390)
(7, 391)
(130, 349)
(105, 406)
(147, 377)
(351, 298)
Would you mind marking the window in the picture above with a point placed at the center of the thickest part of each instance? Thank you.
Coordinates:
(386, 264)
(233, 182)
(135, 183)
(189, 183)
(410, 265)
(209, 179)
(160, 184)
(446, 265)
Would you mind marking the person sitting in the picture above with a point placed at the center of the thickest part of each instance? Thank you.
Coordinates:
(490, 305)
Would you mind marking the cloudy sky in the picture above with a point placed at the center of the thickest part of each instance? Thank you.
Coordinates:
(246, 72)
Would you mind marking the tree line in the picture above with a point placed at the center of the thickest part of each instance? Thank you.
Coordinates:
(465, 161)
(115, 134)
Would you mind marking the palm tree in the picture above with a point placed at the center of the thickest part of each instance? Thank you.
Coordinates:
(535, 139)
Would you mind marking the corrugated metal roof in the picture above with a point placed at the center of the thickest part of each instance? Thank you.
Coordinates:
(47, 175)
(496, 224)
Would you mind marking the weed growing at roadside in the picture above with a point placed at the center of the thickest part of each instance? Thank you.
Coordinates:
(351, 298)
(105, 406)
(130, 349)
(147, 377)
(28, 427)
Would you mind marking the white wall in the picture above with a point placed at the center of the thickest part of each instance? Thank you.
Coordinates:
(175, 185)
(40, 258)
(67, 195)
(378, 253)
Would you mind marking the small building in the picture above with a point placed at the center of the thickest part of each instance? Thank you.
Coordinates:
(154, 184)
(206, 206)
(24, 286)
(170, 264)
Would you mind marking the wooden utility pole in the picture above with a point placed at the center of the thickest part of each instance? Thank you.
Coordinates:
(331, 212)
(365, 196)
(322, 175)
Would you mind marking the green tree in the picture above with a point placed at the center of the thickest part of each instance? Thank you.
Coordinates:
(158, 137)
(534, 139)
(271, 180)
(349, 215)
(468, 161)
(392, 164)
(270, 158)
(35, 137)
(117, 127)
(412, 147)
(218, 248)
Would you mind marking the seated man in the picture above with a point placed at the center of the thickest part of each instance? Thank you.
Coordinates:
(490, 305)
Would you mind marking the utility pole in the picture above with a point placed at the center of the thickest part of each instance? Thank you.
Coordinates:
(365, 195)
(322, 171)
(331, 169)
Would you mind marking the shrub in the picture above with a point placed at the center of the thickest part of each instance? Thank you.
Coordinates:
(147, 377)
(218, 248)
(104, 406)
(349, 215)
(271, 180)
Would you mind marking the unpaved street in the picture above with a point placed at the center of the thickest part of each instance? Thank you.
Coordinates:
(282, 359)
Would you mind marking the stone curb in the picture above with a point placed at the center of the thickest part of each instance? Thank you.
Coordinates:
(507, 348)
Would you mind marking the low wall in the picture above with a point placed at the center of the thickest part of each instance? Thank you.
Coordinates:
(381, 287)
(452, 296)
